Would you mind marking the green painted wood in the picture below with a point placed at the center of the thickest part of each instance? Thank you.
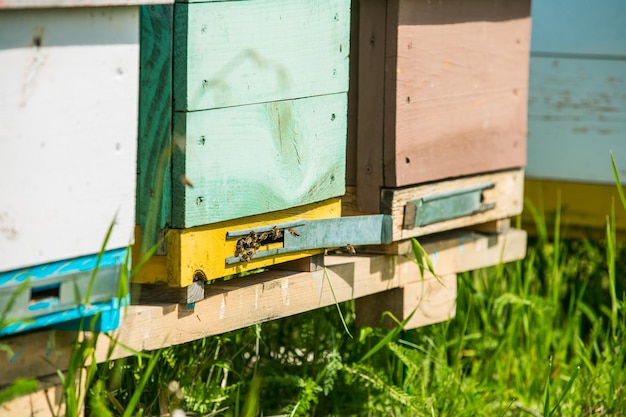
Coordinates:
(577, 114)
(246, 160)
(326, 233)
(155, 123)
(244, 52)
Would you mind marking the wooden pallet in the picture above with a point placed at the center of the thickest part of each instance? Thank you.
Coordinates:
(240, 303)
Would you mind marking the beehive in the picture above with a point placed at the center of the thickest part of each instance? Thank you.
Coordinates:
(68, 110)
(577, 112)
(258, 93)
(441, 95)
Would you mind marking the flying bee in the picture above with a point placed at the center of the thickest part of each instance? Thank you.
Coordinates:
(350, 249)
(293, 232)
(186, 181)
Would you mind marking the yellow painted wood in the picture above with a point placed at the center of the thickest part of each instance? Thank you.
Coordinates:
(202, 250)
(584, 207)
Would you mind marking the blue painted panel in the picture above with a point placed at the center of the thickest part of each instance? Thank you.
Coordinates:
(63, 292)
(577, 113)
(579, 27)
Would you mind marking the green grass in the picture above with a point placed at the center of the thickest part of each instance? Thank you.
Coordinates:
(544, 336)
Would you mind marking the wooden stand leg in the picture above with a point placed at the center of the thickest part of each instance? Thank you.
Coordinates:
(161, 293)
(432, 300)
(308, 264)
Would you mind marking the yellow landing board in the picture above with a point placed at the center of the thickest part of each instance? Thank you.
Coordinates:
(202, 251)
(584, 207)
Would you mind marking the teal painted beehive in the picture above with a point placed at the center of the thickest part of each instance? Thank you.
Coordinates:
(259, 101)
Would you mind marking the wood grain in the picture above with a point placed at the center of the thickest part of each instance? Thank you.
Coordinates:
(242, 302)
(205, 248)
(154, 202)
(577, 115)
(370, 116)
(429, 301)
(68, 111)
(461, 82)
(507, 194)
(259, 158)
(233, 53)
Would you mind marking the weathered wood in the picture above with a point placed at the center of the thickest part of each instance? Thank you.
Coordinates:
(579, 27)
(371, 87)
(577, 114)
(204, 249)
(28, 4)
(308, 264)
(351, 143)
(584, 207)
(155, 124)
(460, 97)
(163, 293)
(233, 53)
(239, 303)
(460, 251)
(507, 194)
(246, 160)
(429, 301)
(68, 111)
(494, 226)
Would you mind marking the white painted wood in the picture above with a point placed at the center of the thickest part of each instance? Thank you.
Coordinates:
(68, 112)
(27, 4)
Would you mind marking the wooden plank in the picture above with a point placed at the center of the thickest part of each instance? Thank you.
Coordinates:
(577, 114)
(68, 111)
(28, 4)
(204, 249)
(430, 301)
(246, 160)
(494, 226)
(371, 87)
(579, 27)
(507, 194)
(353, 105)
(460, 251)
(46, 401)
(233, 53)
(239, 303)
(153, 211)
(584, 207)
(308, 264)
(461, 90)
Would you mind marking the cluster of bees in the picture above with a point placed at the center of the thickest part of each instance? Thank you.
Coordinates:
(249, 244)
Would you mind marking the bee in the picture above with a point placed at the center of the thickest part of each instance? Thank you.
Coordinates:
(276, 233)
(293, 232)
(247, 255)
(263, 237)
(350, 249)
(186, 181)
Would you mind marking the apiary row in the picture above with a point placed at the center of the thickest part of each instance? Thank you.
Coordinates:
(214, 138)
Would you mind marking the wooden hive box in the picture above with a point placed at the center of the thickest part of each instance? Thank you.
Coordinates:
(438, 112)
(257, 94)
(68, 110)
(577, 113)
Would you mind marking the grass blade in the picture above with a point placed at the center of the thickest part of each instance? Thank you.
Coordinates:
(343, 321)
(618, 182)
